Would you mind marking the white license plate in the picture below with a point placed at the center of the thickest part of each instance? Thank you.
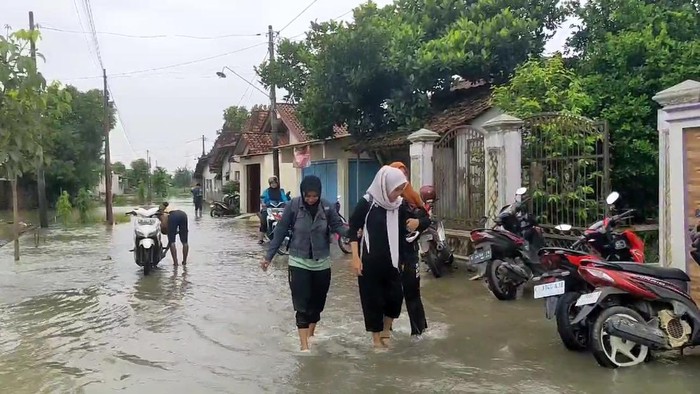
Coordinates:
(549, 289)
(146, 222)
(587, 299)
(480, 256)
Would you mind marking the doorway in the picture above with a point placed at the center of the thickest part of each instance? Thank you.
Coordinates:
(253, 187)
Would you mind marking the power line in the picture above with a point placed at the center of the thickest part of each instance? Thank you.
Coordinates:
(82, 27)
(121, 120)
(91, 23)
(298, 15)
(155, 36)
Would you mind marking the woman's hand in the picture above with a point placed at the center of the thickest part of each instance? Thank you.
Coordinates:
(412, 224)
(264, 264)
(357, 265)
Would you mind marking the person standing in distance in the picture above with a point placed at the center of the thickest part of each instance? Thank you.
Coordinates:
(312, 220)
(198, 199)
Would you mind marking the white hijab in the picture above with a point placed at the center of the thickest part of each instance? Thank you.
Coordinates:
(386, 181)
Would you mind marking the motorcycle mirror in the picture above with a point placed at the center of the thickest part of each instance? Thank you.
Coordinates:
(520, 191)
(563, 227)
(612, 197)
(412, 236)
(697, 213)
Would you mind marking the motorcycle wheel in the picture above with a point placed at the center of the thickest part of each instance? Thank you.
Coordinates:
(344, 243)
(146, 269)
(574, 338)
(503, 291)
(214, 213)
(431, 259)
(604, 346)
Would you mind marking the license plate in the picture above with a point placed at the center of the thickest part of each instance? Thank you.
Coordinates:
(480, 256)
(549, 289)
(146, 222)
(587, 299)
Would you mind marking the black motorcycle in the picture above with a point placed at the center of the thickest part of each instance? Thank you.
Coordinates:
(230, 206)
(507, 253)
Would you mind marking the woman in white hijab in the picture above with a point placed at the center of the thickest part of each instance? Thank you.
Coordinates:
(375, 257)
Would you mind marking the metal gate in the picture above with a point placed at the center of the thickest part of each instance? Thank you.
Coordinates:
(458, 163)
(566, 167)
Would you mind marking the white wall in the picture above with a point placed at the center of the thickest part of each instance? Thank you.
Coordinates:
(117, 187)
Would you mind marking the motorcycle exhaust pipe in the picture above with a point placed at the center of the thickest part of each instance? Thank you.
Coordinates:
(637, 332)
(515, 272)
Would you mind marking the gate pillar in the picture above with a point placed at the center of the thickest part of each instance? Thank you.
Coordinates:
(502, 149)
(421, 151)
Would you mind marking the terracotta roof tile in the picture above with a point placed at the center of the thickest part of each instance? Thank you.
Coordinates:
(471, 103)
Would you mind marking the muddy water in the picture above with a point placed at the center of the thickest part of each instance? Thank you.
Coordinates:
(76, 315)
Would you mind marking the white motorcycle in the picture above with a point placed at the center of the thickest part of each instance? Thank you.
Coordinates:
(274, 215)
(148, 246)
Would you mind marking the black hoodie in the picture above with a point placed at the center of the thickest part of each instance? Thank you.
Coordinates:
(311, 183)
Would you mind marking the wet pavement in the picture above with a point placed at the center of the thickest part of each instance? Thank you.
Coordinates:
(77, 315)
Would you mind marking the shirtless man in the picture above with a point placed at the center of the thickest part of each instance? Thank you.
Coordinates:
(174, 222)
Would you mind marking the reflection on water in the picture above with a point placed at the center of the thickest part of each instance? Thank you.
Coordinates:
(77, 315)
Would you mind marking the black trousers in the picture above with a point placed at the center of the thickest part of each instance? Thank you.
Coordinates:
(410, 278)
(380, 292)
(263, 221)
(309, 291)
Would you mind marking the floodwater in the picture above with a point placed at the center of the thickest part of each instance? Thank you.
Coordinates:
(78, 316)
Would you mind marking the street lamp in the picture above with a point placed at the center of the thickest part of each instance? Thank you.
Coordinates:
(221, 74)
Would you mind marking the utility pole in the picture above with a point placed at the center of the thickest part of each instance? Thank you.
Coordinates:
(273, 109)
(148, 157)
(203, 151)
(108, 156)
(40, 176)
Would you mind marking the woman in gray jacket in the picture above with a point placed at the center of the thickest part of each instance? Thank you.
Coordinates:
(312, 221)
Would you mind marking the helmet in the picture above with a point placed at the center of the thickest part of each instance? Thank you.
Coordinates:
(427, 193)
(272, 179)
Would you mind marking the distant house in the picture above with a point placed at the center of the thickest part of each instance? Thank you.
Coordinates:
(117, 185)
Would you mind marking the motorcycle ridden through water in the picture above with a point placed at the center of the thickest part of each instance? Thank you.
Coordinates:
(432, 243)
(507, 253)
(230, 206)
(637, 308)
(274, 215)
(563, 285)
(148, 246)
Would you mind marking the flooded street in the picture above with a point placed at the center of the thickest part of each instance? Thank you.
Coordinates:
(77, 315)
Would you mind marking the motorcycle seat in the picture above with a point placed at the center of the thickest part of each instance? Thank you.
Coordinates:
(648, 270)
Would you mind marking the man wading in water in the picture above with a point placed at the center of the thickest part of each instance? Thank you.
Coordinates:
(172, 223)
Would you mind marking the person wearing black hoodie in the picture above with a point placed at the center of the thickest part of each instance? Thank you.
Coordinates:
(311, 219)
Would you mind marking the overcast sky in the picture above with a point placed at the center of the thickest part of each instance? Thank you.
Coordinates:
(165, 106)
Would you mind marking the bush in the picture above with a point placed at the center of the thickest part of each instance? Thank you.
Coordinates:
(64, 209)
(84, 204)
(231, 187)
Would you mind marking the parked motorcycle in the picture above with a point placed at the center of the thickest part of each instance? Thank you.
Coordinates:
(274, 215)
(230, 206)
(432, 244)
(148, 246)
(507, 253)
(638, 308)
(563, 285)
(343, 242)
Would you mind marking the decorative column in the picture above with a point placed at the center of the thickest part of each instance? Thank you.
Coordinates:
(502, 150)
(421, 151)
(679, 191)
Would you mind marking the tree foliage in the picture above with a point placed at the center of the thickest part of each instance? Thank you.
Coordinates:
(75, 144)
(161, 181)
(627, 51)
(119, 168)
(182, 177)
(377, 73)
(235, 118)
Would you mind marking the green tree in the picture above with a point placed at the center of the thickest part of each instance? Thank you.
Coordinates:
(64, 209)
(76, 143)
(22, 101)
(182, 177)
(627, 51)
(119, 168)
(161, 181)
(377, 73)
(235, 118)
(139, 172)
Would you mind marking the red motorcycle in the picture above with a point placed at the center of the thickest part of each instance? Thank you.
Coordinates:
(636, 309)
(563, 285)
